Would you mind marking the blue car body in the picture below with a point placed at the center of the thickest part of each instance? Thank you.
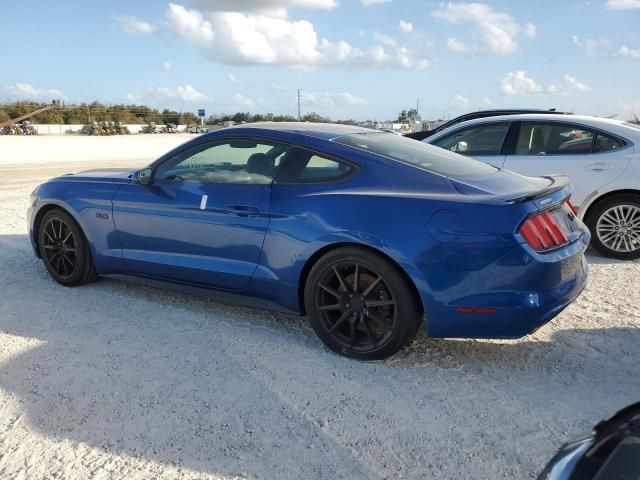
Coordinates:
(455, 238)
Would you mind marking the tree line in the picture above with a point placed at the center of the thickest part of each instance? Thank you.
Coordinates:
(82, 113)
(246, 117)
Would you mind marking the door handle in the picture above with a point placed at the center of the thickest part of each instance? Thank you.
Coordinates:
(242, 210)
(599, 166)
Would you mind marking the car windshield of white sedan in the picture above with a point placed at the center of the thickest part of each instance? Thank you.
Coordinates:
(417, 153)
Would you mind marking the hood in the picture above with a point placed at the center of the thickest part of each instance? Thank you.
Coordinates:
(117, 175)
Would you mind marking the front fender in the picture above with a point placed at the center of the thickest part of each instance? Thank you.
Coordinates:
(93, 213)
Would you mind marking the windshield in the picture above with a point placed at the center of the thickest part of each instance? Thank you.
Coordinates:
(416, 153)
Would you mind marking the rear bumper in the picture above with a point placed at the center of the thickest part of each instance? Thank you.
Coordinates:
(524, 290)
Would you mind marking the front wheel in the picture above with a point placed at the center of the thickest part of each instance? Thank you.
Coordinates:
(360, 305)
(615, 227)
(65, 250)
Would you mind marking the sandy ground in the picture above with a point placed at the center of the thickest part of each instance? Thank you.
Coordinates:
(113, 381)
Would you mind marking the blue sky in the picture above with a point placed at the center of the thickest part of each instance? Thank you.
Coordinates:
(363, 59)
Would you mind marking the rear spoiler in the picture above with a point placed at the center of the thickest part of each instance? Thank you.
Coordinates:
(557, 191)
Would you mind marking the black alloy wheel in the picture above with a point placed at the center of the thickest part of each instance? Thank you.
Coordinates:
(59, 248)
(360, 305)
(64, 249)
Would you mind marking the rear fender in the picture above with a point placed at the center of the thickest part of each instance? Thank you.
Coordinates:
(337, 239)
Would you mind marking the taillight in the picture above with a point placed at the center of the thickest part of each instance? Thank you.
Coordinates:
(544, 232)
(573, 209)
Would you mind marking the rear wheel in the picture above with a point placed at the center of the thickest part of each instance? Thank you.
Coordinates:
(360, 305)
(615, 226)
(65, 250)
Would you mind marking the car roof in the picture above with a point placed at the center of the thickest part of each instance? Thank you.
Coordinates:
(325, 131)
(496, 112)
(610, 124)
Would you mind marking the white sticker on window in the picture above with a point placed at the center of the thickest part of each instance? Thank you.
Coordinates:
(203, 202)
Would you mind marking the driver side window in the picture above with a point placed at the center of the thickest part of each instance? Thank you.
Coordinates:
(239, 161)
(484, 139)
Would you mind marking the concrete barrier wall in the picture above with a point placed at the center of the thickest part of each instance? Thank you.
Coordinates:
(70, 129)
(16, 150)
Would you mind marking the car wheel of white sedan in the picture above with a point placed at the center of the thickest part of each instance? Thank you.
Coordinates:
(615, 227)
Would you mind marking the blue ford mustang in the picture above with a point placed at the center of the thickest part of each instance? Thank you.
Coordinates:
(368, 233)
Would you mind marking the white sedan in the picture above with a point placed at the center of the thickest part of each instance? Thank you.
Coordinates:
(601, 157)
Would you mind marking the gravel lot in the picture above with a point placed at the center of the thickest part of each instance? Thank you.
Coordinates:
(114, 381)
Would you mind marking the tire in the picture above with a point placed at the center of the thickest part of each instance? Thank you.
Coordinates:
(370, 322)
(615, 226)
(64, 249)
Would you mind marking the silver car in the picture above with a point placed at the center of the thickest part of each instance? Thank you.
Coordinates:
(601, 157)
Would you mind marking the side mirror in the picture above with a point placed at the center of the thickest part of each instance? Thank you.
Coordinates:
(145, 176)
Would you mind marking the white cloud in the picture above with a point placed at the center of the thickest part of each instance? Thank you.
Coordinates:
(487, 103)
(245, 38)
(628, 110)
(460, 102)
(596, 46)
(593, 46)
(184, 93)
(167, 66)
(384, 39)
(332, 99)
(517, 83)
(190, 25)
(530, 30)
(456, 45)
(134, 25)
(29, 92)
(231, 77)
(242, 101)
(368, 3)
(260, 5)
(497, 32)
(406, 27)
(575, 84)
(629, 52)
(602, 47)
(623, 4)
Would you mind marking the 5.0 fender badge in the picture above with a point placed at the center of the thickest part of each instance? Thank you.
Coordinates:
(102, 216)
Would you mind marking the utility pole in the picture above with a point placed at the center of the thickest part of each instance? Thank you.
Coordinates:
(418, 107)
(89, 110)
(299, 98)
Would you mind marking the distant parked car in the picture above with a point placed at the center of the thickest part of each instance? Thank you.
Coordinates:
(370, 234)
(478, 114)
(610, 452)
(601, 157)
(195, 128)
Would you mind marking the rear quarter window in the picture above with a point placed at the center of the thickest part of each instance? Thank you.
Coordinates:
(303, 166)
(606, 143)
(420, 154)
